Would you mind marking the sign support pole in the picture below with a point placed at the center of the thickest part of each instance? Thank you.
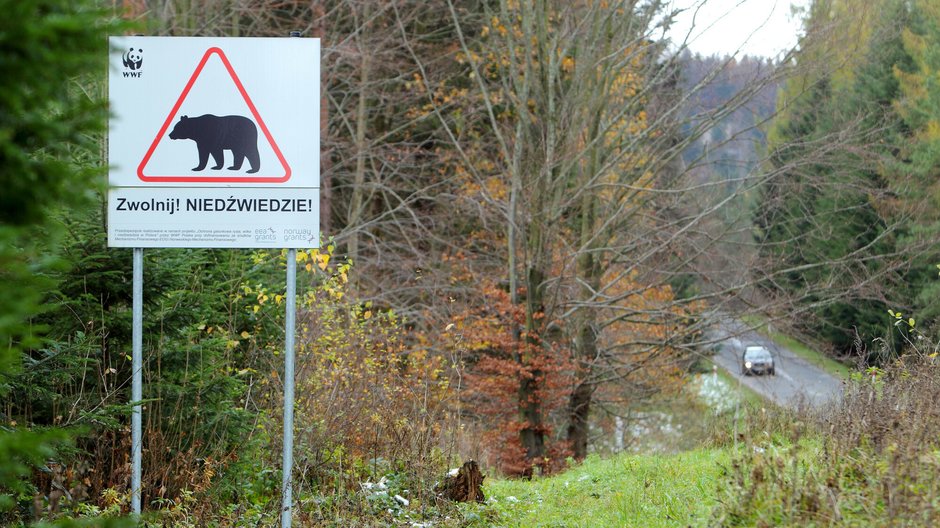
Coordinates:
(289, 327)
(289, 321)
(137, 377)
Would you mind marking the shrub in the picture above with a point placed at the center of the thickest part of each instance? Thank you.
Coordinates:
(372, 402)
(872, 460)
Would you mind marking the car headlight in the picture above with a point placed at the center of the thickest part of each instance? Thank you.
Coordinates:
(747, 364)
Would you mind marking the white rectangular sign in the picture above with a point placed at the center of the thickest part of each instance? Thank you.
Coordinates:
(214, 142)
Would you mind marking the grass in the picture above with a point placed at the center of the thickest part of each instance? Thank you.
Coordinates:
(872, 460)
(833, 367)
(625, 490)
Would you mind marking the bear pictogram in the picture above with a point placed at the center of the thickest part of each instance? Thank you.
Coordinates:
(215, 134)
(134, 59)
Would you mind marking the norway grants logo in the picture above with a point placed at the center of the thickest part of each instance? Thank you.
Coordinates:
(133, 61)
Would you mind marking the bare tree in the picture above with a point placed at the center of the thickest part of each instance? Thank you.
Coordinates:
(589, 129)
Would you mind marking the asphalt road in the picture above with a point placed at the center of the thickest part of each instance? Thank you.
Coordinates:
(797, 382)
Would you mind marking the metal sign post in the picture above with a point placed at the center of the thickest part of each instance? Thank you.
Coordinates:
(137, 376)
(290, 319)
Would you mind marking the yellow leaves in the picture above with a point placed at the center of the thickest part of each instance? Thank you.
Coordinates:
(498, 25)
(260, 257)
(360, 366)
(647, 313)
(443, 95)
(496, 188)
(932, 131)
(322, 260)
(567, 65)
(335, 293)
(463, 58)
(417, 82)
(899, 319)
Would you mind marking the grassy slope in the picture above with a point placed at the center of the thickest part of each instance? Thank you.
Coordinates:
(626, 490)
(822, 361)
(629, 490)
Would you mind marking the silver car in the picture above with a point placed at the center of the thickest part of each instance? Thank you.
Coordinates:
(757, 360)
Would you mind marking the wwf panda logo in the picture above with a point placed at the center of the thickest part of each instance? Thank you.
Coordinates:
(134, 59)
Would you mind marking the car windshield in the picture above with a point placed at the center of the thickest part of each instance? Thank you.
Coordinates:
(757, 353)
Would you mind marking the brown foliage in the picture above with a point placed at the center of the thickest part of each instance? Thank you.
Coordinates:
(499, 361)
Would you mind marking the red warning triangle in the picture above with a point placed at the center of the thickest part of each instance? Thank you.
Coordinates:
(230, 175)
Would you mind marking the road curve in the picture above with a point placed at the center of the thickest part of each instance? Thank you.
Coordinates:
(797, 381)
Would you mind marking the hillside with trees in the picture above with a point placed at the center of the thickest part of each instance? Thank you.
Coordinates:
(854, 209)
(735, 145)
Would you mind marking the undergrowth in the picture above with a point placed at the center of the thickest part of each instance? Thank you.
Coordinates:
(871, 460)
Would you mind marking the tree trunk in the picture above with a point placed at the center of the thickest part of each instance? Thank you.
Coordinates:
(579, 410)
(532, 434)
(589, 272)
(326, 164)
(579, 403)
(356, 205)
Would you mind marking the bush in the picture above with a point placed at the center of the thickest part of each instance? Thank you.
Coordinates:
(373, 404)
(872, 461)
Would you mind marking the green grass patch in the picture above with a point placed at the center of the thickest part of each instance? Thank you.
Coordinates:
(625, 490)
(836, 368)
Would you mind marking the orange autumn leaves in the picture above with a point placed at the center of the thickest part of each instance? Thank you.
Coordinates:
(497, 358)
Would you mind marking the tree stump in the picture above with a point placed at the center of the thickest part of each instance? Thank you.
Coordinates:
(463, 485)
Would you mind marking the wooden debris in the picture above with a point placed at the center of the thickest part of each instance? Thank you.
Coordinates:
(463, 485)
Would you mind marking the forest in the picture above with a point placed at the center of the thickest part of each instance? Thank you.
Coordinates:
(538, 219)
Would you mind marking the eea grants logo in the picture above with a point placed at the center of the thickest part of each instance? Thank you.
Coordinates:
(133, 61)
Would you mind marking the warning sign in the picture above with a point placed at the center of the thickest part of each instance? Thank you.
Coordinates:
(214, 142)
(213, 135)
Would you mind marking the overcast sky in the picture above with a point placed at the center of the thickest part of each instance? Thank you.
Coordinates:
(756, 27)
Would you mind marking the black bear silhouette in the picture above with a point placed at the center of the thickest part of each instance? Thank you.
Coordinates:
(215, 134)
